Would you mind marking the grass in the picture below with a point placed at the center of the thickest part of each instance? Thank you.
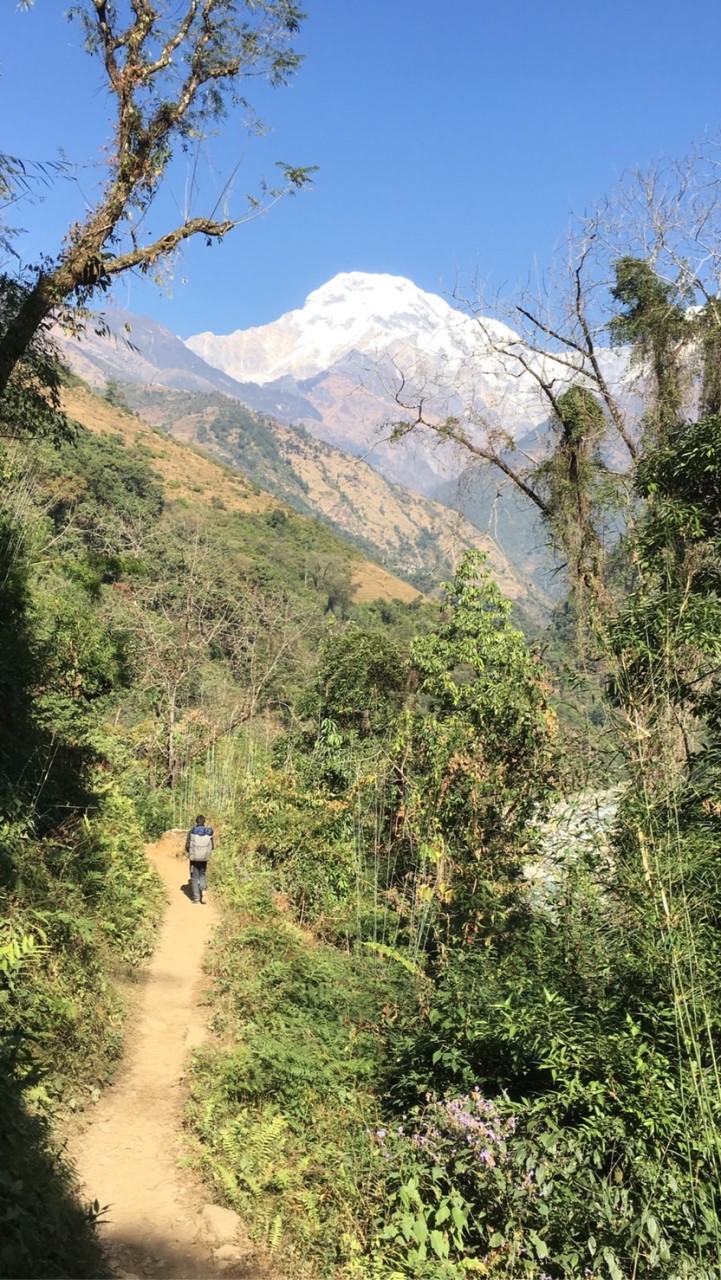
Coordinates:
(284, 1101)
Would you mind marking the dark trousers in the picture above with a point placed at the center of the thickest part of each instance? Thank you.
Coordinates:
(198, 882)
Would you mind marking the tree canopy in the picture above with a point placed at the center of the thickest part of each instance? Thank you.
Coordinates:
(173, 73)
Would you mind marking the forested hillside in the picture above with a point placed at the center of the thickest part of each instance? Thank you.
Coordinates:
(408, 533)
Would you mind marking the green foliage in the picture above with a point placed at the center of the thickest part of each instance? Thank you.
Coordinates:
(477, 1189)
(709, 335)
(83, 903)
(16, 658)
(102, 499)
(30, 403)
(475, 758)
(651, 304)
(77, 900)
(305, 835)
(283, 1108)
(667, 636)
(332, 578)
(359, 682)
(655, 324)
(568, 1034)
(393, 617)
(589, 753)
(63, 662)
(109, 903)
(43, 1228)
(579, 489)
(680, 479)
(115, 397)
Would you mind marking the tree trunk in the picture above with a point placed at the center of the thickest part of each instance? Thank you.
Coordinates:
(171, 762)
(16, 339)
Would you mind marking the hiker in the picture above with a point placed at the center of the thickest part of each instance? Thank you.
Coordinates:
(199, 848)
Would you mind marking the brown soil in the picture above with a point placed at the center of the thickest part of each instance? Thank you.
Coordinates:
(128, 1157)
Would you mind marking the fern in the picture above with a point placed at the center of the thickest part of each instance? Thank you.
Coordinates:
(390, 953)
(227, 1179)
(275, 1233)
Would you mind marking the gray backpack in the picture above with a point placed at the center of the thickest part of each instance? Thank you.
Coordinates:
(200, 847)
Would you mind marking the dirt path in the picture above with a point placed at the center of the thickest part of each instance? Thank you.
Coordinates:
(128, 1157)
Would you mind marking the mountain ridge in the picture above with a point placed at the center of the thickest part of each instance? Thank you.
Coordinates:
(209, 482)
(353, 311)
(409, 534)
(379, 334)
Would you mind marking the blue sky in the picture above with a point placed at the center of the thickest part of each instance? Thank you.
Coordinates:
(453, 140)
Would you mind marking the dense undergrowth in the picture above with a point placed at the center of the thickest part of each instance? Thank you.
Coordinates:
(78, 902)
(80, 914)
(282, 1108)
(428, 1063)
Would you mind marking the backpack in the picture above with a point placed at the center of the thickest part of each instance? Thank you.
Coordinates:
(200, 844)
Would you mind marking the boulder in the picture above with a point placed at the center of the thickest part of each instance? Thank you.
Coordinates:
(219, 1225)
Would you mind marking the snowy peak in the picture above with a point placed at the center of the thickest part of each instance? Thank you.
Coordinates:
(388, 303)
(355, 311)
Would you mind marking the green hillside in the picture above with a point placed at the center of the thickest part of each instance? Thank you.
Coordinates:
(413, 536)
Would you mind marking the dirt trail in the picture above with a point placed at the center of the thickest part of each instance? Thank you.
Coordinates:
(128, 1156)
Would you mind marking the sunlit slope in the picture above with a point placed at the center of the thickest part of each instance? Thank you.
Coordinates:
(198, 480)
(412, 535)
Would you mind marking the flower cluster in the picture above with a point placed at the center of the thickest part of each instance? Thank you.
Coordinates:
(470, 1123)
(448, 1128)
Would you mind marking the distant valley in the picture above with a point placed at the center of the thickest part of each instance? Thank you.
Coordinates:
(304, 408)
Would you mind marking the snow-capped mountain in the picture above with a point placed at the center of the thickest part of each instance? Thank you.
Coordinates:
(353, 312)
(365, 350)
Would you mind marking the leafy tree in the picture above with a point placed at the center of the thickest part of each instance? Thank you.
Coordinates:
(332, 577)
(30, 404)
(359, 682)
(578, 488)
(17, 659)
(115, 397)
(173, 73)
(474, 761)
(655, 325)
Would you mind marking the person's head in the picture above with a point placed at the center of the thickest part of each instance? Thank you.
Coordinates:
(200, 820)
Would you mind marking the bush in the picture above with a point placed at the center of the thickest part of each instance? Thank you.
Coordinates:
(283, 1109)
(44, 1229)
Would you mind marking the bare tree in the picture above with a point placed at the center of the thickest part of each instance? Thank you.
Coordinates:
(213, 650)
(267, 647)
(173, 71)
(630, 314)
(174, 627)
